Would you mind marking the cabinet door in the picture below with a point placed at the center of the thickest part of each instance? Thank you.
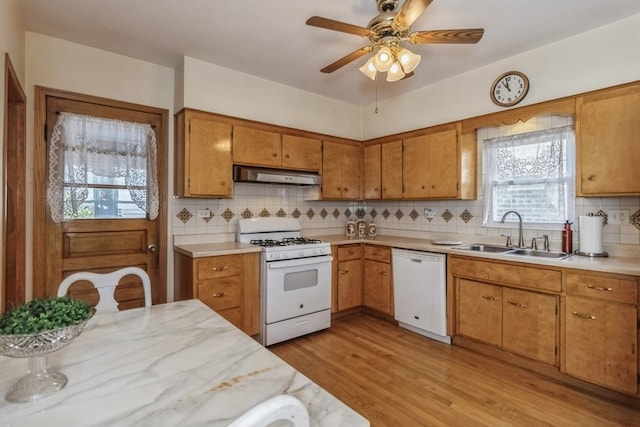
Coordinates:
(443, 164)
(529, 324)
(351, 172)
(331, 170)
(480, 311)
(256, 147)
(301, 153)
(208, 158)
(391, 170)
(601, 343)
(377, 290)
(349, 284)
(607, 128)
(415, 167)
(372, 171)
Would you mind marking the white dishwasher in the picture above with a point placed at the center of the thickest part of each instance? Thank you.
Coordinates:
(419, 291)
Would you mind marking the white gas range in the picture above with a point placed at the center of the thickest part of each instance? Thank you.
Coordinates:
(295, 278)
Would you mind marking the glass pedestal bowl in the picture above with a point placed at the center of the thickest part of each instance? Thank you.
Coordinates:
(40, 381)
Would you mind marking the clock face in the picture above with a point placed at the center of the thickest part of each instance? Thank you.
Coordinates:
(509, 89)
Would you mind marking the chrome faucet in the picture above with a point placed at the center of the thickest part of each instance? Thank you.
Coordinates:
(520, 236)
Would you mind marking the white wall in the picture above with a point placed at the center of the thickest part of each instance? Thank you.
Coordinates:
(59, 64)
(11, 42)
(596, 59)
(221, 90)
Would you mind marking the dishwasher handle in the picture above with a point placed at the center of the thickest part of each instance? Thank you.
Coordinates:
(418, 256)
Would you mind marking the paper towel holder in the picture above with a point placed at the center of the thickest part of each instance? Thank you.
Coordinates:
(601, 254)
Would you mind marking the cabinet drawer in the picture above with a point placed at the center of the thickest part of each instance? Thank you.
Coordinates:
(516, 275)
(220, 294)
(609, 288)
(349, 252)
(219, 266)
(377, 253)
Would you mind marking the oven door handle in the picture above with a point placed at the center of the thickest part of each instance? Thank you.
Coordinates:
(272, 265)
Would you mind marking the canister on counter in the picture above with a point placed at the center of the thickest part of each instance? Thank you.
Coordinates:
(351, 228)
(362, 228)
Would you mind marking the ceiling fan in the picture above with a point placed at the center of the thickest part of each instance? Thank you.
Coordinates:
(386, 31)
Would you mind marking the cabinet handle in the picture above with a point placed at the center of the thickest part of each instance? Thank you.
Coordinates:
(583, 315)
(286, 156)
(344, 271)
(591, 178)
(274, 155)
(220, 268)
(350, 252)
(517, 304)
(220, 294)
(599, 288)
(490, 298)
(384, 273)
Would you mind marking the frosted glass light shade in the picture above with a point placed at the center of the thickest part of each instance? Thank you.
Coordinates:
(383, 59)
(369, 70)
(408, 60)
(395, 72)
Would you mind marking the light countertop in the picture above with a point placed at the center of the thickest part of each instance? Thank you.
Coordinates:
(176, 364)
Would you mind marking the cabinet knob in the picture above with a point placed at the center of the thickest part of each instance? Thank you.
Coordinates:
(344, 271)
(274, 155)
(220, 268)
(384, 273)
(433, 186)
(220, 294)
(591, 178)
(583, 315)
(286, 156)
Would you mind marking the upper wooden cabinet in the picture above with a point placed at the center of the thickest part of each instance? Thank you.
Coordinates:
(382, 175)
(341, 166)
(607, 145)
(273, 149)
(202, 156)
(431, 165)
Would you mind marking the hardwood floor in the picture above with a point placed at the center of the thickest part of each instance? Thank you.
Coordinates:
(397, 378)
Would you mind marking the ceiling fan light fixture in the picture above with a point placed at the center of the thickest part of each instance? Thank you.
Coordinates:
(408, 60)
(383, 60)
(395, 72)
(369, 70)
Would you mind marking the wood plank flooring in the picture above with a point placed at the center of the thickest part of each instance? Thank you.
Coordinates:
(394, 377)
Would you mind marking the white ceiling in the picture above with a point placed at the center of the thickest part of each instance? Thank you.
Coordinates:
(269, 39)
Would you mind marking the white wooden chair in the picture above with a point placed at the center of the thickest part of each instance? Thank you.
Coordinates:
(105, 284)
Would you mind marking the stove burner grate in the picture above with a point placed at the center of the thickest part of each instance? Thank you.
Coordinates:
(287, 241)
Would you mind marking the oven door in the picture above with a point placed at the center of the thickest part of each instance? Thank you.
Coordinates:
(296, 287)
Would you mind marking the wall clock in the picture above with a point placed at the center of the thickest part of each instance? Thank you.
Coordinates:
(509, 88)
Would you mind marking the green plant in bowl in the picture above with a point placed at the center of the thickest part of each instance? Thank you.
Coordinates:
(35, 329)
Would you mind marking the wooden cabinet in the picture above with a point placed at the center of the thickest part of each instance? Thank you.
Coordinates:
(273, 149)
(228, 284)
(341, 167)
(382, 175)
(377, 291)
(347, 277)
(521, 321)
(431, 165)
(203, 165)
(601, 332)
(607, 148)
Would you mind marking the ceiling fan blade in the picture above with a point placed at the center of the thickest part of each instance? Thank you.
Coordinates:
(347, 59)
(408, 13)
(463, 36)
(330, 24)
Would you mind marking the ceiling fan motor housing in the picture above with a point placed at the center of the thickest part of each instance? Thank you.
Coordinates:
(387, 5)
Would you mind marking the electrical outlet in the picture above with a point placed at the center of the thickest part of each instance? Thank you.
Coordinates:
(204, 213)
(429, 214)
(618, 217)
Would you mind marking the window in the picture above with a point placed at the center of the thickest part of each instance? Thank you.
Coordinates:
(102, 168)
(531, 173)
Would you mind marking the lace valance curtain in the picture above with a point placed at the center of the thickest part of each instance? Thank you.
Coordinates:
(533, 168)
(83, 147)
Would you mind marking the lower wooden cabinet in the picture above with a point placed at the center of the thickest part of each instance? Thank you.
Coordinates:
(229, 284)
(347, 277)
(377, 292)
(480, 311)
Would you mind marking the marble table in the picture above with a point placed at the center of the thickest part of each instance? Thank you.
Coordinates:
(176, 364)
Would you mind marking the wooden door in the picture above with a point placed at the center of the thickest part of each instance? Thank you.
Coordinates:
(377, 293)
(98, 245)
(601, 343)
(480, 311)
(208, 157)
(372, 163)
(301, 153)
(415, 167)
(529, 324)
(442, 166)
(256, 147)
(392, 170)
(607, 128)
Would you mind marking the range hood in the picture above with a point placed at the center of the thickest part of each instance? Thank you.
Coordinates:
(275, 176)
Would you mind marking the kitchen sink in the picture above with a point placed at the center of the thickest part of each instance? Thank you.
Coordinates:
(480, 247)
